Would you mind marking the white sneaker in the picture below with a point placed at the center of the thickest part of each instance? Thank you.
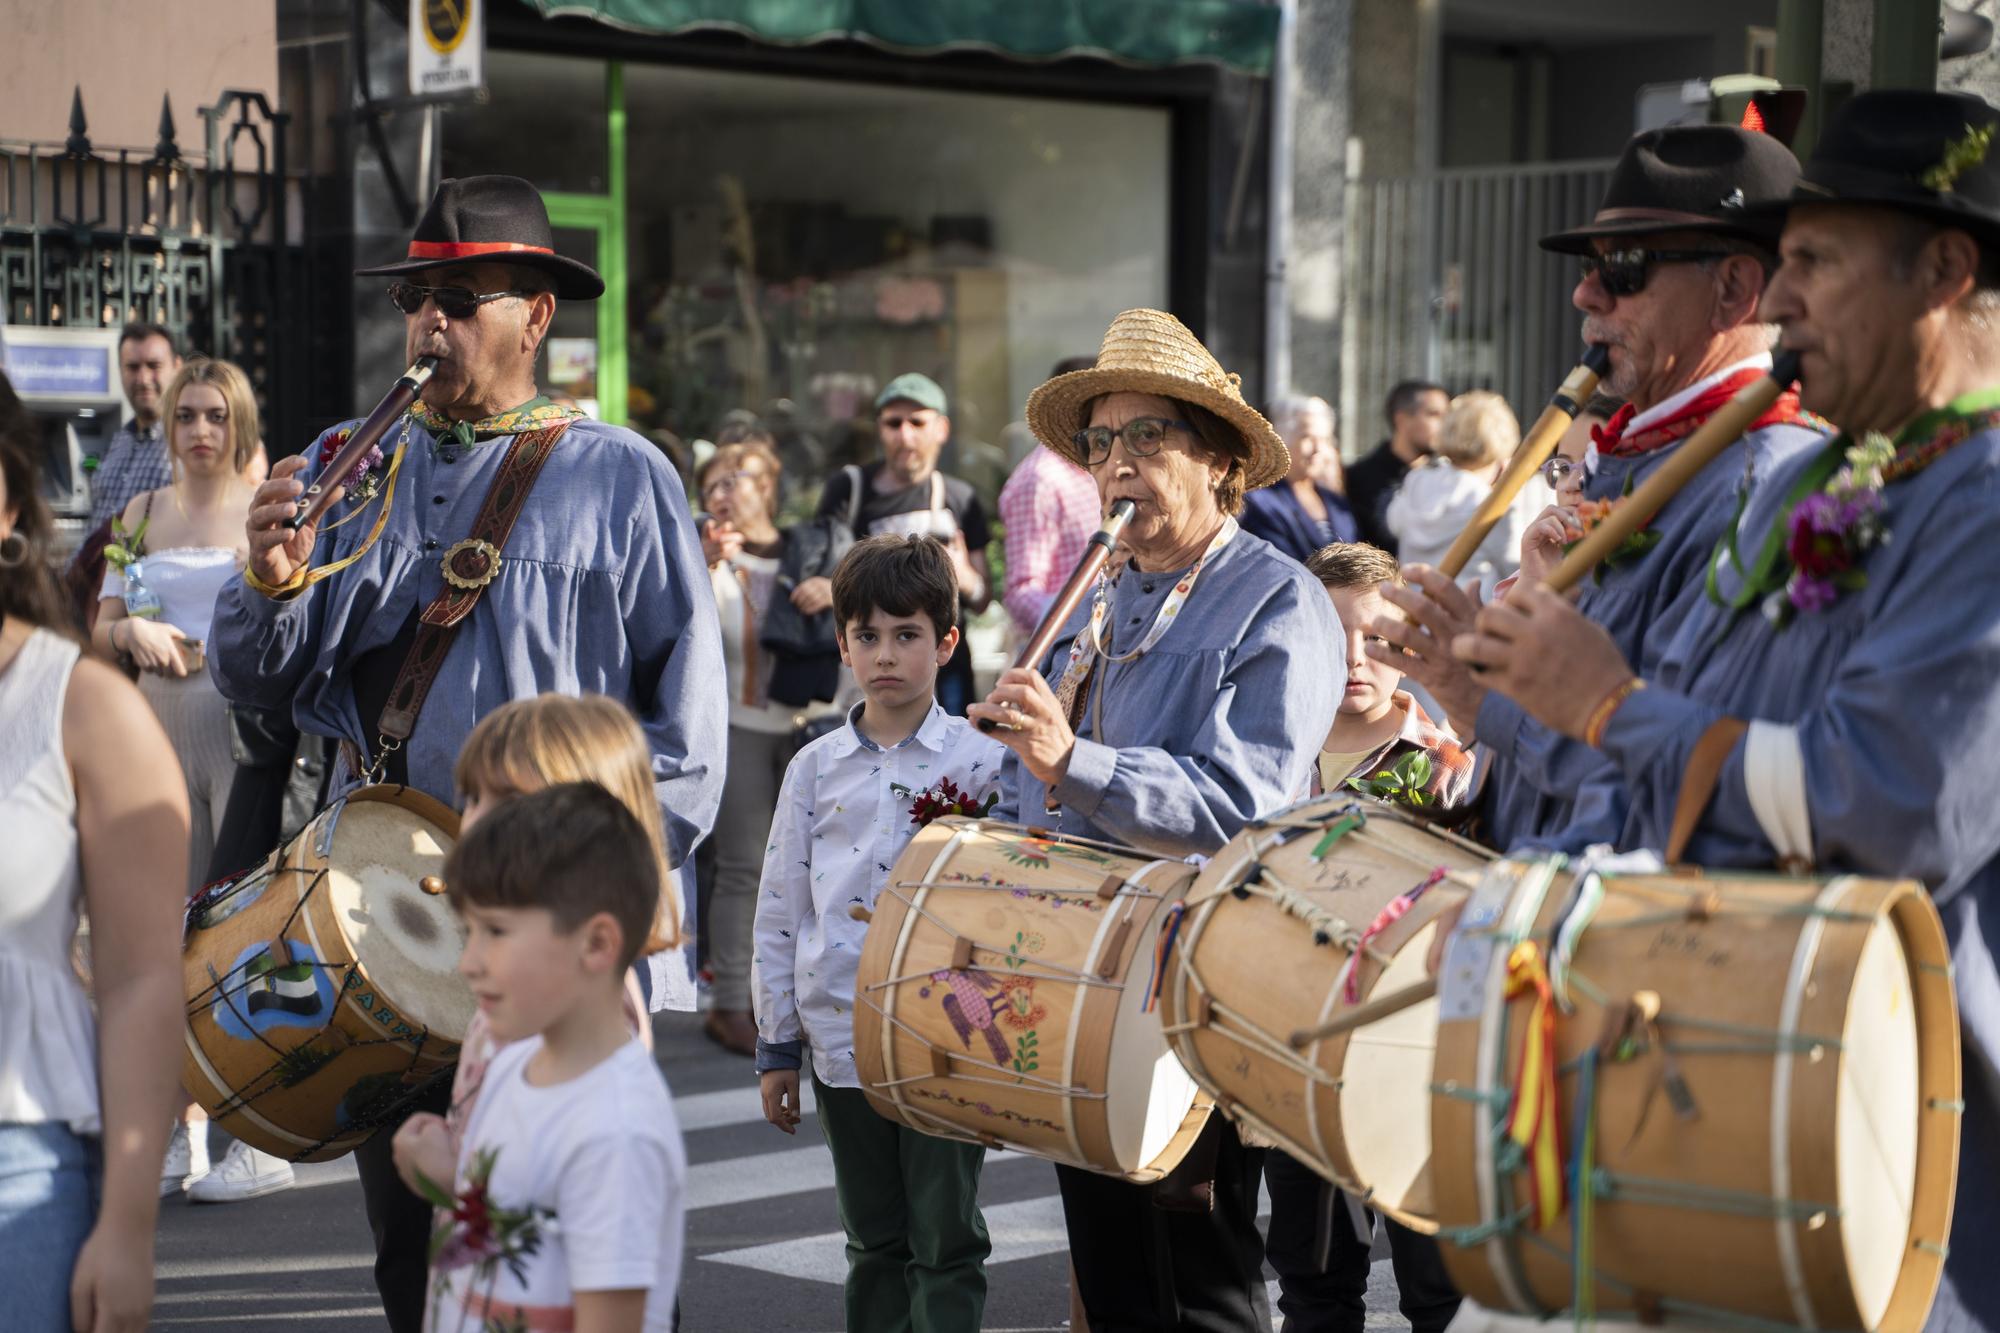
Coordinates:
(244, 1173)
(186, 1161)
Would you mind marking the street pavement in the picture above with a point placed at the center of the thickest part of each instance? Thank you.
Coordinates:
(764, 1247)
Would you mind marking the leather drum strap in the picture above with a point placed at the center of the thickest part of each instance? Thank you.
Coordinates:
(468, 567)
(1704, 770)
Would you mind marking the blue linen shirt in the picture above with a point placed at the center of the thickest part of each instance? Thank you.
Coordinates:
(1275, 514)
(602, 589)
(133, 463)
(1534, 774)
(1892, 691)
(1219, 723)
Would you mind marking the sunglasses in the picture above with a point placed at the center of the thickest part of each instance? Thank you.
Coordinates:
(452, 302)
(1143, 436)
(1623, 272)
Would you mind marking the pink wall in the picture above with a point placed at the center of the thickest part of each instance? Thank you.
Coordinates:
(125, 54)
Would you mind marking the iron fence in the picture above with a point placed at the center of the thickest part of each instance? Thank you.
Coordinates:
(206, 244)
(1444, 281)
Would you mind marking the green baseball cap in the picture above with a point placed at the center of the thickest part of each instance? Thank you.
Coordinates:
(913, 388)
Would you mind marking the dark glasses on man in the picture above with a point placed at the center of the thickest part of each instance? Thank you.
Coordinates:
(1623, 272)
(1143, 436)
(452, 302)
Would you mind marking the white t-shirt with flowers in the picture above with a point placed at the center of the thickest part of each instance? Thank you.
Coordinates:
(599, 1163)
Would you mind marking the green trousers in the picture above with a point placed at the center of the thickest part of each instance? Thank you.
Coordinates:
(916, 1244)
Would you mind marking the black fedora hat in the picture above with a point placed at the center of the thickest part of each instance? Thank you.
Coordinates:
(1919, 152)
(1706, 178)
(491, 220)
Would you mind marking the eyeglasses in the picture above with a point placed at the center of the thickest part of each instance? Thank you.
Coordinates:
(1143, 436)
(1623, 272)
(452, 302)
(729, 481)
(1557, 471)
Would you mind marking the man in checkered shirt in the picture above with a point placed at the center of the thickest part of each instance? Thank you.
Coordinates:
(1050, 507)
(136, 459)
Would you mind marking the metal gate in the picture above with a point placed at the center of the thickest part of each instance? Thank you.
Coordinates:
(204, 245)
(1444, 281)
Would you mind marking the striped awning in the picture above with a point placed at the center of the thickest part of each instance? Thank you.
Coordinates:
(1239, 34)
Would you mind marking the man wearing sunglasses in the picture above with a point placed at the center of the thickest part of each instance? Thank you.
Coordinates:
(597, 586)
(1670, 272)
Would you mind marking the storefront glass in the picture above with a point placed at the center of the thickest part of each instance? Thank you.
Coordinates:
(793, 244)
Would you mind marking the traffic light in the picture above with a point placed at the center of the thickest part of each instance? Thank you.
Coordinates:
(1756, 103)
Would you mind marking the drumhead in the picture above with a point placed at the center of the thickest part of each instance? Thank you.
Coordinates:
(406, 940)
(1141, 1058)
(1876, 1119)
(1385, 1096)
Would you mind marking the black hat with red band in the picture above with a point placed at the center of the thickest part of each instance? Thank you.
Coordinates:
(491, 220)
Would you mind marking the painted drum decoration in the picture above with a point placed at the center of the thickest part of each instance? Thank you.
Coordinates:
(999, 997)
(1300, 918)
(1715, 1097)
(323, 988)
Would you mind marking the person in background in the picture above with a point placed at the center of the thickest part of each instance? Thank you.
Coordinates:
(904, 495)
(187, 537)
(1439, 497)
(136, 459)
(744, 548)
(1415, 410)
(1048, 509)
(96, 818)
(1298, 515)
(192, 543)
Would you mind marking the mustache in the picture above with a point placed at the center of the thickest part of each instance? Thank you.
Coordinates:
(1596, 330)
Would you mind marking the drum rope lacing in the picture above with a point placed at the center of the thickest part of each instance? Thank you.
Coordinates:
(291, 1067)
(1593, 1182)
(1012, 1079)
(1051, 972)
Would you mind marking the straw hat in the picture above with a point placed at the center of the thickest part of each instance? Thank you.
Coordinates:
(1149, 351)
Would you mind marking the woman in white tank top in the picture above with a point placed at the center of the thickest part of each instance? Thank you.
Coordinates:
(95, 816)
(193, 545)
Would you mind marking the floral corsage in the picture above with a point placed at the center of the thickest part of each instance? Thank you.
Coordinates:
(365, 481)
(1591, 513)
(1829, 532)
(125, 548)
(943, 799)
(476, 1233)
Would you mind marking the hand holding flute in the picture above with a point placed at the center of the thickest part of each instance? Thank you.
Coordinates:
(1022, 712)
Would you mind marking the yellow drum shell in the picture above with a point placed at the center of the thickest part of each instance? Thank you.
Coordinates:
(999, 993)
(323, 987)
(1262, 953)
(1804, 1177)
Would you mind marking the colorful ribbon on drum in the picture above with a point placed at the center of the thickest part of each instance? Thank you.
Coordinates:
(1399, 906)
(1169, 929)
(1534, 1120)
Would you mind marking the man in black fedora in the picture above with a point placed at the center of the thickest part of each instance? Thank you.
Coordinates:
(1841, 673)
(569, 538)
(1672, 268)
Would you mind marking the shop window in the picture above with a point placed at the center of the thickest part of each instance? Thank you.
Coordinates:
(794, 244)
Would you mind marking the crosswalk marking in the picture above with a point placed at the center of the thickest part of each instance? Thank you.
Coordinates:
(730, 1106)
(1028, 1229)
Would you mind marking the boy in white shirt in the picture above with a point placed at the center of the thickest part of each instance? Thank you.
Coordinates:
(568, 1204)
(916, 1244)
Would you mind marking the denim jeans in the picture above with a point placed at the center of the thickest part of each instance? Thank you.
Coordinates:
(49, 1179)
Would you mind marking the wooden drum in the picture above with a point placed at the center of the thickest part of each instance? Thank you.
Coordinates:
(1300, 917)
(999, 998)
(1755, 1105)
(323, 989)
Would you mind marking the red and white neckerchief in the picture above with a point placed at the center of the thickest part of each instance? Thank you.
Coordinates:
(1630, 433)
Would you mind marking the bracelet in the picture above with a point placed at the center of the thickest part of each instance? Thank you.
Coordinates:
(280, 591)
(1600, 717)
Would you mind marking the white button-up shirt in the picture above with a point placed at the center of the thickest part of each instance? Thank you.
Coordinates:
(843, 818)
